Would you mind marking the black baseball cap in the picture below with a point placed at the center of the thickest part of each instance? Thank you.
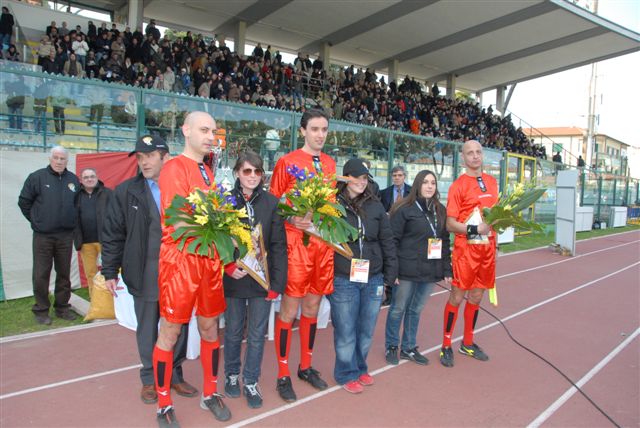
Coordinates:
(148, 144)
(355, 168)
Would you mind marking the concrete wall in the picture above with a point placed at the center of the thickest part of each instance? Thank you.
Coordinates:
(15, 231)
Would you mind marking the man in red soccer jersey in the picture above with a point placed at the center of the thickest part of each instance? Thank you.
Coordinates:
(310, 273)
(474, 251)
(187, 280)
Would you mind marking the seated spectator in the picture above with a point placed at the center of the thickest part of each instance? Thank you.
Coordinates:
(73, 68)
(12, 54)
(45, 48)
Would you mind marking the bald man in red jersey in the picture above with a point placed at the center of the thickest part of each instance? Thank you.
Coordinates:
(474, 253)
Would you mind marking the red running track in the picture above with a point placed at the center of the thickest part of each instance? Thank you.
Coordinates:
(581, 313)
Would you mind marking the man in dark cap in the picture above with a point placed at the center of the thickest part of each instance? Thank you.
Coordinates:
(131, 241)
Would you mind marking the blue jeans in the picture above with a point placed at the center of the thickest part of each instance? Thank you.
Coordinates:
(258, 319)
(5, 39)
(407, 301)
(354, 312)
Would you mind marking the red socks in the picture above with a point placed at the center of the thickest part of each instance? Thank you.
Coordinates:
(209, 356)
(162, 368)
(307, 337)
(450, 317)
(470, 318)
(283, 344)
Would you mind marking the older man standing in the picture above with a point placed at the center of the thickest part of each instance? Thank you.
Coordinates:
(92, 203)
(47, 201)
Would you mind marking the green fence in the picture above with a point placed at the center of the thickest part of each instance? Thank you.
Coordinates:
(38, 111)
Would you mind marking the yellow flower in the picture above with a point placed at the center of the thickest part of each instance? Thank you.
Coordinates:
(330, 211)
(508, 207)
(242, 212)
(243, 234)
(201, 219)
(194, 198)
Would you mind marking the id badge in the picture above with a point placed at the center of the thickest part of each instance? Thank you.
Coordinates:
(359, 270)
(435, 249)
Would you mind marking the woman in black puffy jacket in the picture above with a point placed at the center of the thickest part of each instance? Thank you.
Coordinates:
(359, 282)
(424, 258)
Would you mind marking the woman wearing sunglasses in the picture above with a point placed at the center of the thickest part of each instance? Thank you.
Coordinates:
(245, 297)
(424, 258)
(359, 282)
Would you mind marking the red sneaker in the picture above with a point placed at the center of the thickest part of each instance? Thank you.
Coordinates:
(366, 379)
(353, 387)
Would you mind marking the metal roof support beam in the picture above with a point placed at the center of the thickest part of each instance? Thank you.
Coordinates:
(451, 86)
(475, 31)
(506, 102)
(392, 70)
(135, 14)
(325, 55)
(530, 51)
(240, 37)
(500, 99)
(252, 14)
(386, 15)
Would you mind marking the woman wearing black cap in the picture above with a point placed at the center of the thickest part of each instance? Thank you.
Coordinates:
(424, 257)
(359, 282)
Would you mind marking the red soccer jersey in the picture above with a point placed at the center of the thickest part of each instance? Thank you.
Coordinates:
(282, 182)
(181, 176)
(465, 194)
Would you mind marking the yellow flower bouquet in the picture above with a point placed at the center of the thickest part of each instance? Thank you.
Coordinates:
(314, 196)
(506, 213)
(207, 220)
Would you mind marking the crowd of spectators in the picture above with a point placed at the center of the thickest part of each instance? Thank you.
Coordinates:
(208, 68)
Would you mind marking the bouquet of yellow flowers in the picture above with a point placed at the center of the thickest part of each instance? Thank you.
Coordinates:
(506, 213)
(207, 220)
(314, 196)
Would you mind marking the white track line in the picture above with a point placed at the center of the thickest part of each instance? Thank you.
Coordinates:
(67, 382)
(82, 327)
(389, 367)
(56, 331)
(586, 378)
(320, 394)
(513, 253)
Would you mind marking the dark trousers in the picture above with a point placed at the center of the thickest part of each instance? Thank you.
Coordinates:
(58, 119)
(148, 315)
(51, 249)
(97, 110)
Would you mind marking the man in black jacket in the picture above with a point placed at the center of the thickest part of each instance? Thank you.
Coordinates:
(47, 201)
(91, 204)
(131, 241)
(398, 189)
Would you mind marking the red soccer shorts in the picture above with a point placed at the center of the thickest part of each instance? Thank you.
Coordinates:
(186, 281)
(310, 268)
(474, 266)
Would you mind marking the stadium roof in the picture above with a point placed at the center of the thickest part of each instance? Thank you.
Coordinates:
(486, 44)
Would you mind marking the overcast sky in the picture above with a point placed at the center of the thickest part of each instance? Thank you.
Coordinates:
(562, 99)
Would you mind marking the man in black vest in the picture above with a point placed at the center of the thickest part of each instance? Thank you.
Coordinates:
(131, 241)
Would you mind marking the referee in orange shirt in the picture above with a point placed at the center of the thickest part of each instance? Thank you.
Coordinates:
(474, 251)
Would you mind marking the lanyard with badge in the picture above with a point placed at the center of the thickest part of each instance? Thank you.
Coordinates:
(359, 267)
(434, 248)
(204, 174)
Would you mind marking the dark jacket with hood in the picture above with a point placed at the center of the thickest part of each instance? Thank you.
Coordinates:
(412, 232)
(102, 195)
(264, 206)
(378, 245)
(47, 200)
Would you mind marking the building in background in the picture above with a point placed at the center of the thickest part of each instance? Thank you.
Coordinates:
(610, 155)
